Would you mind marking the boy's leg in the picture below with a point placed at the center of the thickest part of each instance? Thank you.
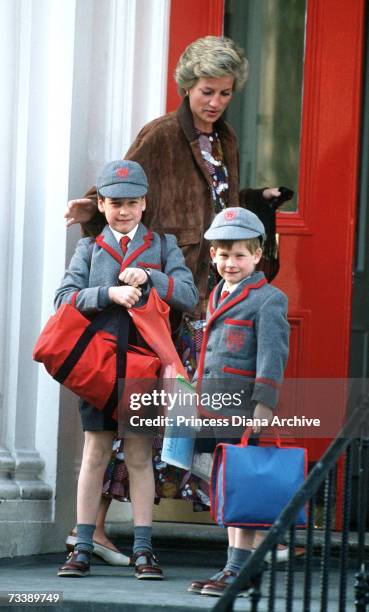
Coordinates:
(138, 458)
(242, 541)
(107, 550)
(96, 455)
(244, 538)
(231, 531)
(197, 585)
(103, 546)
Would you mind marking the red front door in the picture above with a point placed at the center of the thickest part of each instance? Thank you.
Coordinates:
(317, 241)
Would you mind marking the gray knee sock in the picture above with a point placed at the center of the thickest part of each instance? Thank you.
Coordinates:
(239, 556)
(84, 537)
(142, 538)
(229, 557)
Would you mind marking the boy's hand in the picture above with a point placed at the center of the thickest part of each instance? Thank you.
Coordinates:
(271, 192)
(79, 211)
(261, 412)
(133, 277)
(125, 296)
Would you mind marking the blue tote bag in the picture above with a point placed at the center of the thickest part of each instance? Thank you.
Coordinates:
(251, 485)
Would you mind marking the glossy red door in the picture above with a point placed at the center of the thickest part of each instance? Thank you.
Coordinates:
(316, 242)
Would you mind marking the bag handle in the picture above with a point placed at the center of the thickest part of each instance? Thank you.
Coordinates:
(121, 361)
(248, 432)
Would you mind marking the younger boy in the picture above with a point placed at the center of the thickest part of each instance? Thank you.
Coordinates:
(245, 342)
(128, 252)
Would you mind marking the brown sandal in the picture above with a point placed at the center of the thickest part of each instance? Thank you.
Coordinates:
(73, 568)
(146, 566)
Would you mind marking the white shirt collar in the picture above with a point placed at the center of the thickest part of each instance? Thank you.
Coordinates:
(118, 235)
(229, 289)
(233, 287)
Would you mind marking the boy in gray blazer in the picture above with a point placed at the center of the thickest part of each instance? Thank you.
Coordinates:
(245, 343)
(126, 252)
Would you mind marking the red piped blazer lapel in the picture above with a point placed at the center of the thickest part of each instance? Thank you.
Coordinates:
(141, 241)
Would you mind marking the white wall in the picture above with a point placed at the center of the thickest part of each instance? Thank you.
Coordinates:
(83, 76)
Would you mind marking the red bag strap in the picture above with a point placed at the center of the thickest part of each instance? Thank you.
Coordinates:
(74, 299)
(246, 435)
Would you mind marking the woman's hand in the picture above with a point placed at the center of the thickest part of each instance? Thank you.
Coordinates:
(125, 296)
(133, 277)
(79, 211)
(271, 192)
(170, 371)
(262, 412)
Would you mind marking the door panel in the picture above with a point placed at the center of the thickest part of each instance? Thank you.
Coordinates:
(359, 361)
(317, 237)
(317, 242)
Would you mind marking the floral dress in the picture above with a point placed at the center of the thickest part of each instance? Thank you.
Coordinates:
(212, 153)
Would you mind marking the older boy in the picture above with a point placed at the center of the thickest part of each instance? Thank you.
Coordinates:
(245, 342)
(129, 252)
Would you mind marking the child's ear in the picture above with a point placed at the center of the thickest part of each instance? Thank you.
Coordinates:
(258, 255)
(143, 204)
(213, 254)
(100, 204)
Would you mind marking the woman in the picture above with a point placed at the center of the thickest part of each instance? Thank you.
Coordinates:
(190, 156)
(191, 160)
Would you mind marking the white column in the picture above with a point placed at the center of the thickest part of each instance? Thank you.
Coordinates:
(82, 78)
(127, 76)
(8, 17)
(37, 110)
(149, 89)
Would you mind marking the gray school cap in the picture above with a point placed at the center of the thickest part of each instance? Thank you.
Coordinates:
(122, 179)
(235, 224)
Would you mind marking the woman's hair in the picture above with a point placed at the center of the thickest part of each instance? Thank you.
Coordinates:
(211, 56)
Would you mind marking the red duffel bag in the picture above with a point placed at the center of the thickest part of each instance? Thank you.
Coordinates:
(84, 358)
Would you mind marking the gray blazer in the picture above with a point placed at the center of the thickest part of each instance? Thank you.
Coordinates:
(246, 339)
(96, 264)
